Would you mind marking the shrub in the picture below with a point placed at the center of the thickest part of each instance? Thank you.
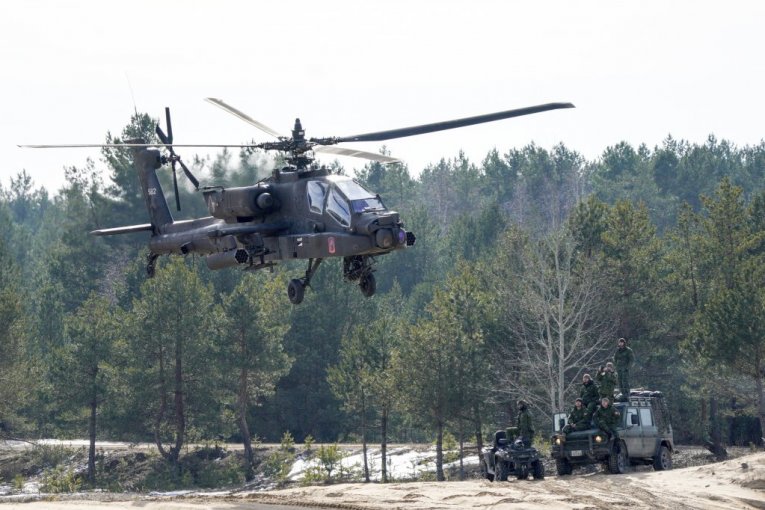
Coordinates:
(59, 480)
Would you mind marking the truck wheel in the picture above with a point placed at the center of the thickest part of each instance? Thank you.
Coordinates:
(663, 459)
(502, 471)
(617, 461)
(538, 470)
(485, 471)
(563, 467)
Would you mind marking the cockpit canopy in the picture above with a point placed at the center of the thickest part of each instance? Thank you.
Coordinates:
(341, 196)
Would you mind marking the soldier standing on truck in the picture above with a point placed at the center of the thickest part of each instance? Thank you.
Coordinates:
(525, 425)
(606, 418)
(606, 380)
(578, 419)
(623, 359)
(589, 394)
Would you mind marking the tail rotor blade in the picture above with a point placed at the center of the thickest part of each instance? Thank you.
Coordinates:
(189, 175)
(175, 189)
(161, 134)
(169, 125)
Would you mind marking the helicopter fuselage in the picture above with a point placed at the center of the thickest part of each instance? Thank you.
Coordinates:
(308, 214)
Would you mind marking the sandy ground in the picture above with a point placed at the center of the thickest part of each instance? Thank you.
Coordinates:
(734, 484)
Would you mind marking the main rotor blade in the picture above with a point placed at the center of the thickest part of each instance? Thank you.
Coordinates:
(117, 145)
(233, 111)
(356, 154)
(379, 136)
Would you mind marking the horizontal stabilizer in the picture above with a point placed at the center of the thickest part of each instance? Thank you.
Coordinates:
(146, 227)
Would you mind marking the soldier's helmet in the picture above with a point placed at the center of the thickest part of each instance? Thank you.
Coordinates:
(522, 403)
(606, 401)
(586, 377)
(579, 400)
(622, 341)
(610, 365)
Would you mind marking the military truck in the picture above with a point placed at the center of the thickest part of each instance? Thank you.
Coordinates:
(509, 457)
(645, 437)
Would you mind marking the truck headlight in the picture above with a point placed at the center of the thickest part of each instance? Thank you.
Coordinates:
(598, 439)
(557, 440)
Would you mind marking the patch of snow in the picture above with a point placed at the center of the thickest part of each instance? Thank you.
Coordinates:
(170, 493)
(403, 463)
(32, 487)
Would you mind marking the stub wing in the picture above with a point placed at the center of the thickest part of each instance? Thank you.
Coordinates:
(146, 227)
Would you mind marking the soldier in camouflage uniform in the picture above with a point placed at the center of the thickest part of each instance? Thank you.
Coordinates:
(623, 359)
(606, 380)
(607, 418)
(589, 394)
(577, 419)
(525, 425)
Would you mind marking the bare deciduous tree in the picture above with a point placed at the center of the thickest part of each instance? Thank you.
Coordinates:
(557, 324)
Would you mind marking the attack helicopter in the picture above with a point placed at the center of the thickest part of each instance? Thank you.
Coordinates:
(301, 211)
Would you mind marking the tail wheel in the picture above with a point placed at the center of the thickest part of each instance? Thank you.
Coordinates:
(663, 459)
(295, 291)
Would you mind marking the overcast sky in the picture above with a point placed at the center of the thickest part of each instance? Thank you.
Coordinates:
(637, 71)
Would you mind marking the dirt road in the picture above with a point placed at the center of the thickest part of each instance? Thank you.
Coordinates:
(734, 484)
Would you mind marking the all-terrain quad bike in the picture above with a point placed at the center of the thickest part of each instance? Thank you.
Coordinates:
(510, 457)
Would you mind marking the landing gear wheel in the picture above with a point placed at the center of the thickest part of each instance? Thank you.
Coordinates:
(368, 285)
(617, 461)
(663, 460)
(563, 467)
(296, 291)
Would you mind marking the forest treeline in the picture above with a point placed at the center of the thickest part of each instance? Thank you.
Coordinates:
(528, 266)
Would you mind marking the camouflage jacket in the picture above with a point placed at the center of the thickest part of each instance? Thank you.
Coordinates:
(589, 393)
(525, 426)
(623, 358)
(606, 418)
(606, 384)
(578, 418)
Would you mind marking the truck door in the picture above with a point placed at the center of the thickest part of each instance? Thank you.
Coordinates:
(631, 434)
(649, 432)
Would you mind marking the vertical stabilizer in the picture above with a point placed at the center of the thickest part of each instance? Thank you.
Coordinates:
(147, 161)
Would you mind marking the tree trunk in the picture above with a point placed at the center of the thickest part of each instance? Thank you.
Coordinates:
(244, 428)
(92, 436)
(162, 409)
(384, 444)
(462, 451)
(715, 445)
(180, 417)
(440, 452)
(364, 438)
(477, 423)
(761, 404)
